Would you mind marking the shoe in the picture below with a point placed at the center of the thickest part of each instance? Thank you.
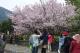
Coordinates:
(58, 51)
(48, 51)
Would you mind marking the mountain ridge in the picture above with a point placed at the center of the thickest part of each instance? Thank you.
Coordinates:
(4, 14)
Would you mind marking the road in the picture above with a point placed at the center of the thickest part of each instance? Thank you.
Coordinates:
(10, 48)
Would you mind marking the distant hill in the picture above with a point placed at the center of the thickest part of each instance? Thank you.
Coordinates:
(4, 14)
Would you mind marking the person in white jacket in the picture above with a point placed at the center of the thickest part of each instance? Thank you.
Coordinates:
(34, 41)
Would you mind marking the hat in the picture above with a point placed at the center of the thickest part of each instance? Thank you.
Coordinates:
(76, 37)
(65, 33)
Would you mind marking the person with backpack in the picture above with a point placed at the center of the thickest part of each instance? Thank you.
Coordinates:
(34, 41)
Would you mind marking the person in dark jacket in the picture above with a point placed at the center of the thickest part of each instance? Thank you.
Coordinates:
(44, 37)
(66, 45)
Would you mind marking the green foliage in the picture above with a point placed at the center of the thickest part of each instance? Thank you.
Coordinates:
(75, 24)
(6, 26)
(74, 2)
(75, 21)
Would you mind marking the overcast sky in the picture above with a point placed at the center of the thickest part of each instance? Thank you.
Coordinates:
(10, 4)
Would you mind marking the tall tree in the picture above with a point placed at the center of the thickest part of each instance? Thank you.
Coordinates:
(74, 2)
(39, 16)
(75, 21)
(6, 26)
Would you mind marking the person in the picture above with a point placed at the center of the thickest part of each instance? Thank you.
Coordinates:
(44, 39)
(50, 38)
(61, 42)
(2, 36)
(66, 45)
(75, 44)
(2, 45)
(34, 41)
(11, 39)
(16, 39)
(65, 33)
(52, 44)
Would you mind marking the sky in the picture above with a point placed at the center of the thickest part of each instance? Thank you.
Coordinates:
(10, 4)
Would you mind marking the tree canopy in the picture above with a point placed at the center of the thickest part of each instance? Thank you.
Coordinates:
(40, 16)
(74, 2)
(6, 26)
(75, 21)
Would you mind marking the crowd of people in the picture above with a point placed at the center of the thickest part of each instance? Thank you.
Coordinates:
(45, 41)
(66, 44)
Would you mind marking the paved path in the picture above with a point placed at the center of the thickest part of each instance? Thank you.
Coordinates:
(18, 49)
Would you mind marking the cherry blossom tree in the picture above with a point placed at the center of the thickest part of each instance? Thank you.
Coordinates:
(42, 15)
